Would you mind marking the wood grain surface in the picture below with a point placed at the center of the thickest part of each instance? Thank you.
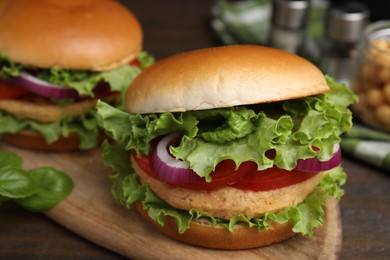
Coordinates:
(91, 212)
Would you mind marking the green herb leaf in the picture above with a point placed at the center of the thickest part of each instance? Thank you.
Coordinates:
(10, 159)
(15, 184)
(36, 190)
(52, 187)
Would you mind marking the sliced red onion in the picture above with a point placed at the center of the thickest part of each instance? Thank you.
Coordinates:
(315, 165)
(169, 168)
(43, 88)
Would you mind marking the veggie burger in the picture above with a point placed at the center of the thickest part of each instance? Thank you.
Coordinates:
(231, 147)
(56, 59)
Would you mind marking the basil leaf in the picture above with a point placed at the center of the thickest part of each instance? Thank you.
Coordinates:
(36, 190)
(10, 159)
(53, 186)
(14, 183)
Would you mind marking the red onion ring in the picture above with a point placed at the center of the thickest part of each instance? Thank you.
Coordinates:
(167, 167)
(175, 171)
(43, 88)
(315, 165)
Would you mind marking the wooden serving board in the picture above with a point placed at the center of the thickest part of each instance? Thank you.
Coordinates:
(91, 212)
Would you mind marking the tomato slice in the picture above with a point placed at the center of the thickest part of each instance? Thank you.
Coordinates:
(225, 174)
(272, 178)
(247, 177)
(9, 91)
(144, 163)
(135, 63)
(103, 90)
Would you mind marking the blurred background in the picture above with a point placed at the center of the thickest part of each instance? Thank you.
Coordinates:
(348, 40)
(379, 9)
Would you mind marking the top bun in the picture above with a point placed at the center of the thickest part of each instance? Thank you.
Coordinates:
(223, 77)
(71, 34)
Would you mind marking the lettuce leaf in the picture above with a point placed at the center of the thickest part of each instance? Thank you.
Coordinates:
(292, 128)
(85, 126)
(305, 217)
(83, 81)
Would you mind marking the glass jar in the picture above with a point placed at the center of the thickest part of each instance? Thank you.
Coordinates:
(372, 82)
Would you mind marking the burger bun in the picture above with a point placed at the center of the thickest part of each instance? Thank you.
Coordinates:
(203, 234)
(223, 77)
(72, 34)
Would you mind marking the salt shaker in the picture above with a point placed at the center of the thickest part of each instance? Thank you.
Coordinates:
(343, 28)
(288, 24)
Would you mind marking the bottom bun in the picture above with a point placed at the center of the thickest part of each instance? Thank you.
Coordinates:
(34, 141)
(204, 235)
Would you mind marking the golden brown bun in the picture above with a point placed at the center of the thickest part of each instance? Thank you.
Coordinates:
(34, 141)
(72, 34)
(223, 77)
(227, 202)
(204, 235)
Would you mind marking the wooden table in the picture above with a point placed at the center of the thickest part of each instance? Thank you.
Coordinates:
(173, 26)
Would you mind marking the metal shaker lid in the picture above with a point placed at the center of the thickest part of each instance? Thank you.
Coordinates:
(346, 22)
(290, 14)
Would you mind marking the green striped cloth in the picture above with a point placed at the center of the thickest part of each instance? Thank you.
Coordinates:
(242, 22)
(368, 145)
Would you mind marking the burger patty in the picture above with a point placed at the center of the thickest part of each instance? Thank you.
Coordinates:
(44, 112)
(228, 201)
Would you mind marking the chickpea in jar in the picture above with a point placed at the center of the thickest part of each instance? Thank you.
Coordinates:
(372, 83)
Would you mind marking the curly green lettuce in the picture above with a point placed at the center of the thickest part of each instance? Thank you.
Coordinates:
(293, 128)
(305, 217)
(83, 81)
(86, 126)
